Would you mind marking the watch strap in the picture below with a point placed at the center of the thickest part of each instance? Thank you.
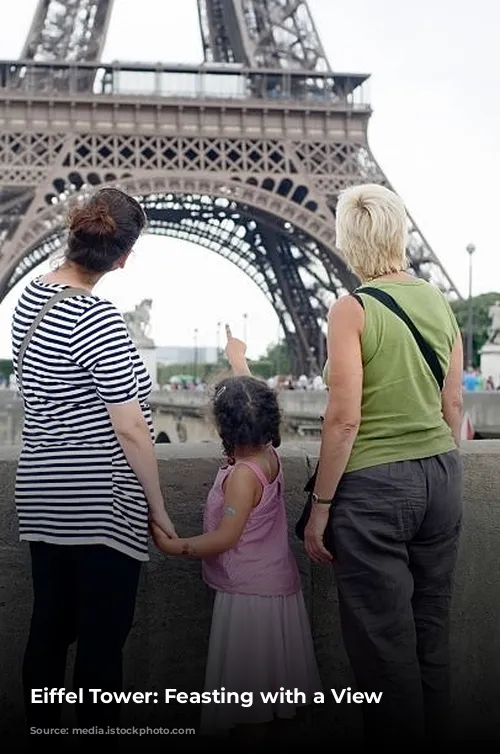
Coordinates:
(320, 500)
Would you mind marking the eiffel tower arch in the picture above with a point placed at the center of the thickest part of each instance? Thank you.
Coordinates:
(244, 154)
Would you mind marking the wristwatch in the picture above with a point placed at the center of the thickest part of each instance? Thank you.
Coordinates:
(320, 500)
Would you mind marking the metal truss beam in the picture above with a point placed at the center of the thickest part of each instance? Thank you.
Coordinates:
(69, 30)
(248, 162)
(295, 274)
(269, 202)
(261, 34)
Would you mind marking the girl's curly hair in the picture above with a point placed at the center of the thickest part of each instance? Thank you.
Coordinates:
(246, 413)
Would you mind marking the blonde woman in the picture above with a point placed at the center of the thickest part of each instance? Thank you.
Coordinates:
(388, 491)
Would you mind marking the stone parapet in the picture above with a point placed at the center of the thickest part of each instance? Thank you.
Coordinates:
(168, 643)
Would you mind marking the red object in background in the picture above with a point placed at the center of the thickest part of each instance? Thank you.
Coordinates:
(467, 432)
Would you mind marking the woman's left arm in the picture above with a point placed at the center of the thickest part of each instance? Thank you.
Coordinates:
(342, 416)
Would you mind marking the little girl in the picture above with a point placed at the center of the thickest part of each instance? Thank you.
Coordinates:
(260, 639)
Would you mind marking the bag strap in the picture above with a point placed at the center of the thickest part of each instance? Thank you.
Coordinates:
(62, 294)
(426, 350)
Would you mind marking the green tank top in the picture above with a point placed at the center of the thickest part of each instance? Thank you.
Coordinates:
(401, 415)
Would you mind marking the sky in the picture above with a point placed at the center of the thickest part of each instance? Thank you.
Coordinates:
(434, 131)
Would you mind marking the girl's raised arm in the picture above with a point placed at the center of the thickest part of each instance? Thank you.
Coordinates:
(235, 354)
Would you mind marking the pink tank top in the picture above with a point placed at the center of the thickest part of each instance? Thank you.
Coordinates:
(262, 562)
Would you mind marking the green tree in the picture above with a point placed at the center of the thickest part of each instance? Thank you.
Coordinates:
(262, 368)
(480, 320)
(277, 360)
(165, 371)
(6, 368)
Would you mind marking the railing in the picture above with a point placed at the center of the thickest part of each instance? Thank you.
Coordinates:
(176, 81)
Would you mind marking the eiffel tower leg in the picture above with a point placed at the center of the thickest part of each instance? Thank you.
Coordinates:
(296, 301)
(73, 31)
(276, 262)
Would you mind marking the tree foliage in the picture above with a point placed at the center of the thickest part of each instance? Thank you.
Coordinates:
(480, 320)
(164, 372)
(277, 360)
(6, 368)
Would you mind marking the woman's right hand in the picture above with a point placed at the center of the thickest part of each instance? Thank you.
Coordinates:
(161, 519)
(162, 542)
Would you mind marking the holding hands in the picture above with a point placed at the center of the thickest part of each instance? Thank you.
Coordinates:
(160, 520)
(163, 541)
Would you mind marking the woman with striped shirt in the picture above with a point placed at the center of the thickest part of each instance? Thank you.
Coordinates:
(87, 479)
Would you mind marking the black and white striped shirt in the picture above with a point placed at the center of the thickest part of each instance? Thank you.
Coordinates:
(74, 484)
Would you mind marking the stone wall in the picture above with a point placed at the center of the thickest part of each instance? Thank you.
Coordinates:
(168, 643)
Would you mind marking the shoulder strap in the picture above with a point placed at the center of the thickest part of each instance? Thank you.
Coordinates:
(64, 293)
(426, 350)
(256, 470)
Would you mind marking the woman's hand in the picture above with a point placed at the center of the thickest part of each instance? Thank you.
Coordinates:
(162, 541)
(161, 521)
(314, 533)
(166, 544)
(235, 353)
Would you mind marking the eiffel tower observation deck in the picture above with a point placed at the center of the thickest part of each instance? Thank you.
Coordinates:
(245, 153)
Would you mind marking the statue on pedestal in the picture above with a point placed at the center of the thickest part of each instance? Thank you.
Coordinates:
(494, 329)
(139, 324)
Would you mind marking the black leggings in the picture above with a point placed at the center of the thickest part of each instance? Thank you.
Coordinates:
(87, 594)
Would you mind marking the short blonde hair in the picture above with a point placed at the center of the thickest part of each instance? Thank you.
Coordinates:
(372, 230)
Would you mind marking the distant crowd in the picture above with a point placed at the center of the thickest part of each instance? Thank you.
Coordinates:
(474, 380)
(278, 382)
(315, 382)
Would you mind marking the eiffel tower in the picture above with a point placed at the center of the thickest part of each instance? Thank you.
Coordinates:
(244, 154)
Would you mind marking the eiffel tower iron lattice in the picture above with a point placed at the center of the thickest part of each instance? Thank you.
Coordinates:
(244, 154)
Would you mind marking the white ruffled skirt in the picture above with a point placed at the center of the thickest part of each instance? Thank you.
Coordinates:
(260, 645)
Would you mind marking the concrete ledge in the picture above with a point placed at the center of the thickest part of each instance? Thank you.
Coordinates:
(168, 643)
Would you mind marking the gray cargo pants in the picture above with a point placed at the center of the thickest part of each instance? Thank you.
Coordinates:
(396, 530)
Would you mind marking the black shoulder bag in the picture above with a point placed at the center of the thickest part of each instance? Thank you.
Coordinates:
(432, 361)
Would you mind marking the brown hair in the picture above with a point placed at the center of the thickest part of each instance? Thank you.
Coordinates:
(104, 229)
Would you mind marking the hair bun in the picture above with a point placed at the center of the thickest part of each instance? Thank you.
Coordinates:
(93, 220)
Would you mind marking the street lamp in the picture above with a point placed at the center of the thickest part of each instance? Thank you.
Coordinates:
(278, 346)
(321, 348)
(195, 353)
(470, 324)
(245, 318)
(219, 325)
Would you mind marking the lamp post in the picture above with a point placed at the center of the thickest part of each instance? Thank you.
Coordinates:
(219, 325)
(245, 319)
(278, 351)
(470, 322)
(195, 353)
(321, 349)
